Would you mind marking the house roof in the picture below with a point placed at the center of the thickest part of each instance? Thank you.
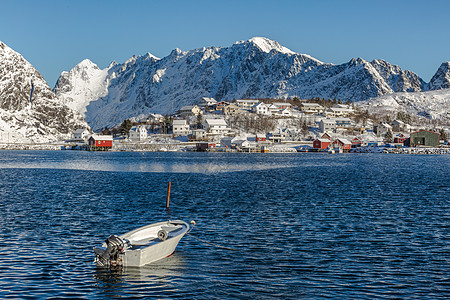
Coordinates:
(426, 131)
(311, 105)
(99, 137)
(212, 122)
(207, 99)
(138, 127)
(188, 107)
(155, 116)
(323, 140)
(231, 105)
(342, 106)
(385, 125)
(343, 141)
(258, 104)
(81, 130)
(281, 104)
(179, 122)
(342, 120)
(329, 121)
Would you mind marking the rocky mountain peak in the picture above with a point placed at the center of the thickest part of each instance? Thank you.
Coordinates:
(441, 80)
(28, 107)
(266, 45)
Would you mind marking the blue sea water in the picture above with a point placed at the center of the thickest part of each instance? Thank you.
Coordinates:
(301, 225)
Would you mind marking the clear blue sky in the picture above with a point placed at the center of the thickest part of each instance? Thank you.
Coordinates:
(56, 35)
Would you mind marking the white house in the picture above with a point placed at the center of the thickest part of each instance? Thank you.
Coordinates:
(180, 127)
(327, 125)
(277, 136)
(382, 128)
(190, 110)
(155, 118)
(338, 112)
(284, 113)
(246, 103)
(261, 109)
(232, 110)
(205, 101)
(343, 122)
(241, 143)
(399, 126)
(138, 133)
(273, 109)
(81, 134)
(312, 108)
(216, 126)
(198, 134)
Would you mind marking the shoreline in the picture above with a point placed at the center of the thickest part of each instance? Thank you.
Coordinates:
(275, 149)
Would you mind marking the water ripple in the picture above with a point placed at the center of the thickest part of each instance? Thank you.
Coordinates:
(305, 226)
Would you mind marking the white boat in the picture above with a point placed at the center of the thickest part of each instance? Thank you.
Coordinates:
(141, 246)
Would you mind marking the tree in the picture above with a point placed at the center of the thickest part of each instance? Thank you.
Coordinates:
(388, 136)
(305, 128)
(199, 121)
(166, 123)
(443, 134)
(106, 131)
(125, 127)
(404, 117)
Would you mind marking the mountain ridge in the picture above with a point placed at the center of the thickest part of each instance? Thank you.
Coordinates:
(256, 68)
(29, 110)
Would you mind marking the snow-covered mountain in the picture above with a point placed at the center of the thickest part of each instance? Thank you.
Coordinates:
(82, 84)
(430, 104)
(29, 110)
(441, 80)
(257, 68)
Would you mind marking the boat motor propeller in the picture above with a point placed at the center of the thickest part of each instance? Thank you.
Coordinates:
(110, 257)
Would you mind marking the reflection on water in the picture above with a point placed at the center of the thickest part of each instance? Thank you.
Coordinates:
(158, 276)
(159, 271)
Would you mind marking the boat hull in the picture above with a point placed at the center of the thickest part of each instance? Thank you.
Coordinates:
(146, 255)
(144, 245)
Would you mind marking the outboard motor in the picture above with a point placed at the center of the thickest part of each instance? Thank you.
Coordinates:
(110, 256)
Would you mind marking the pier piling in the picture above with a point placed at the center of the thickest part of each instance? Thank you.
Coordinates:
(168, 195)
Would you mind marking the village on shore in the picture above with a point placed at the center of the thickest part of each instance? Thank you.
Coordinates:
(267, 125)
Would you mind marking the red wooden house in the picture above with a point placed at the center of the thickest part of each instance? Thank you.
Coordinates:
(100, 141)
(356, 142)
(343, 144)
(326, 136)
(321, 144)
(400, 138)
